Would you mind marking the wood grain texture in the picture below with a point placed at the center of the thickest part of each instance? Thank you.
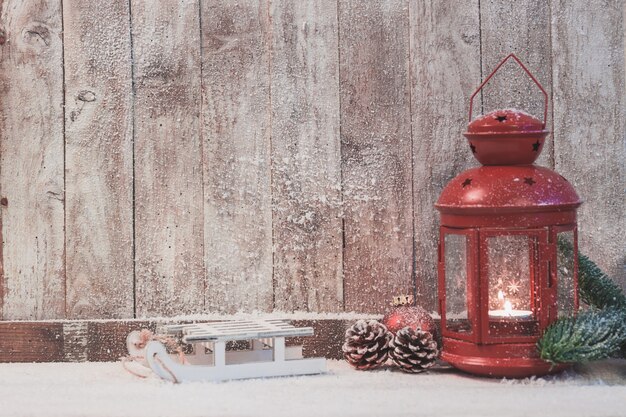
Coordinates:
(99, 159)
(590, 123)
(328, 337)
(522, 28)
(376, 152)
(263, 130)
(105, 340)
(31, 342)
(445, 70)
(31, 161)
(75, 341)
(306, 160)
(169, 219)
(236, 139)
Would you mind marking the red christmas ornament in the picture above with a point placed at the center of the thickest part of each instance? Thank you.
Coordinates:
(405, 314)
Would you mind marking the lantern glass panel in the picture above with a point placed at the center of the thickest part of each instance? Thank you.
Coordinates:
(455, 256)
(565, 291)
(510, 285)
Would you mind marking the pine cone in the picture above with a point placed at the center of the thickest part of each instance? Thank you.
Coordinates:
(367, 344)
(413, 350)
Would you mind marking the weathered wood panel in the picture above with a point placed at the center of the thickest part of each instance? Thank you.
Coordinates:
(242, 175)
(105, 340)
(306, 160)
(376, 152)
(169, 219)
(31, 342)
(522, 28)
(99, 159)
(75, 341)
(445, 69)
(236, 150)
(590, 122)
(31, 174)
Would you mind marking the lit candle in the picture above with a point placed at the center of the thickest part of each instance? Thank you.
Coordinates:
(509, 313)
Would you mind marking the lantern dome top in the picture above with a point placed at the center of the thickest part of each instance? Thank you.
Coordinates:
(506, 137)
(505, 121)
(492, 189)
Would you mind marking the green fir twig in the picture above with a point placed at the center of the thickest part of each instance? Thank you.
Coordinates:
(595, 288)
(598, 333)
(591, 335)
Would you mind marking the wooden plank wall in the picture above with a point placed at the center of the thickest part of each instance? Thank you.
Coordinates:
(237, 161)
(441, 85)
(375, 152)
(98, 159)
(590, 123)
(306, 156)
(31, 160)
(169, 218)
(187, 156)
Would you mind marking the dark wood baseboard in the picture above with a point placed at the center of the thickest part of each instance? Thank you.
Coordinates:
(103, 341)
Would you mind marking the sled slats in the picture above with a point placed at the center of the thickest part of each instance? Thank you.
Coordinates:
(211, 361)
(237, 330)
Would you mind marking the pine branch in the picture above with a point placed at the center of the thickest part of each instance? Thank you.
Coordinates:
(594, 334)
(595, 288)
(591, 335)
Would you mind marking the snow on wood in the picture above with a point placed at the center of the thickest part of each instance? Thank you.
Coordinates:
(32, 285)
(287, 154)
(103, 340)
(236, 151)
(33, 342)
(590, 123)
(376, 153)
(169, 218)
(98, 159)
(75, 341)
(238, 330)
(440, 89)
(306, 160)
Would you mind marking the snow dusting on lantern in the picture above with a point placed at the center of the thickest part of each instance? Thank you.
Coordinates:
(502, 276)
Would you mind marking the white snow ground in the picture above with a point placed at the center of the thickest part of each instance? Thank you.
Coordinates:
(106, 389)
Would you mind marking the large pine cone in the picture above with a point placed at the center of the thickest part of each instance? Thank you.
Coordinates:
(367, 344)
(413, 351)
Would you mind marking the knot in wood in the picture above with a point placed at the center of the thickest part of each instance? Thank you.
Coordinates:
(86, 96)
(37, 35)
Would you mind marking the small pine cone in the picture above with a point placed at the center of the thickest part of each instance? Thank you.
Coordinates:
(367, 344)
(413, 350)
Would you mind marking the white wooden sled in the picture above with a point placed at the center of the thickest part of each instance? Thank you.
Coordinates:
(267, 355)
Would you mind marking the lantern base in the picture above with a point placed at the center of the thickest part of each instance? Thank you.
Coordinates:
(510, 360)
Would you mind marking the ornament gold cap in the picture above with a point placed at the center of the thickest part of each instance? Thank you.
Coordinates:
(402, 300)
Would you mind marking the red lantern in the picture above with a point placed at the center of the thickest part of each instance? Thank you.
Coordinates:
(502, 276)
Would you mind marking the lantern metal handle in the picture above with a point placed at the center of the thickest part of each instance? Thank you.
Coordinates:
(545, 95)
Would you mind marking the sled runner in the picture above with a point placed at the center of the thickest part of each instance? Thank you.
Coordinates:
(264, 353)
